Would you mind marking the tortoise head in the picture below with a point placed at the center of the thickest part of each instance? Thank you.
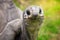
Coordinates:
(33, 17)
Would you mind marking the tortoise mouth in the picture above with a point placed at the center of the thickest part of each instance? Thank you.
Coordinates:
(34, 18)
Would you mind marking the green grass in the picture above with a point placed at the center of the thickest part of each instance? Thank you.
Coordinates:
(51, 25)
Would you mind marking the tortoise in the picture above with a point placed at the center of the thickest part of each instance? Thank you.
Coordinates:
(16, 24)
(10, 19)
(32, 19)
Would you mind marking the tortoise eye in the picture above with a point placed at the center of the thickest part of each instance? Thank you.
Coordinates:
(28, 12)
(40, 11)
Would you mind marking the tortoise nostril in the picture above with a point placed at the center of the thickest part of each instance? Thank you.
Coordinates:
(35, 15)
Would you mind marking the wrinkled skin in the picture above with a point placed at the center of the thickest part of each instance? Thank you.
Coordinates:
(33, 28)
(10, 19)
(33, 18)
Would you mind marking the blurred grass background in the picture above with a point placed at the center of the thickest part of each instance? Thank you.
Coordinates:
(50, 29)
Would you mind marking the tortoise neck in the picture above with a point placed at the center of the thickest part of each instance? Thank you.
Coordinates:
(31, 28)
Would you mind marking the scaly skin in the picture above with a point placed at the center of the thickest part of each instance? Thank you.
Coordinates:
(9, 19)
(33, 18)
(33, 27)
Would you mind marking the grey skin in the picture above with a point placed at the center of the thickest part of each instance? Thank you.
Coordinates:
(10, 19)
(33, 18)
